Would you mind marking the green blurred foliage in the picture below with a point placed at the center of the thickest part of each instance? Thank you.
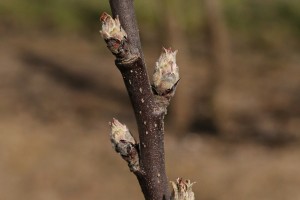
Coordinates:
(52, 15)
(266, 23)
(259, 23)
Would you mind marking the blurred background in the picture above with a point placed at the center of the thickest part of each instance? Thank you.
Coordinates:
(233, 127)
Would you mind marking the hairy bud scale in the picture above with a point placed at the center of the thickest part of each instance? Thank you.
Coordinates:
(111, 28)
(166, 73)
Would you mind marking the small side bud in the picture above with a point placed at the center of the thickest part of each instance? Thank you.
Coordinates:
(116, 39)
(111, 28)
(124, 144)
(119, 132)
(166, 74)
(182, 190)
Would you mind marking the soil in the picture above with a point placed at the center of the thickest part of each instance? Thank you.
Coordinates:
(58, 95)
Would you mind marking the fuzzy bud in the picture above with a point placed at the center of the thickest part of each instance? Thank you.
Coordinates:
(124, 144)
(182, 190)
(111, 28)
(119, 134)
(166, 73)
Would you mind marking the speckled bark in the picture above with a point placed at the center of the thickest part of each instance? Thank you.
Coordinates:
(149, 114)
(153, 179)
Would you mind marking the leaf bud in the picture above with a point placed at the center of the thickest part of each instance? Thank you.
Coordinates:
(111, 28)
(120, 136)
(166, 73)
(182, 190)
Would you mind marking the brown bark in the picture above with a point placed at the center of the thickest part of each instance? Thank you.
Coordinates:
(149, 114)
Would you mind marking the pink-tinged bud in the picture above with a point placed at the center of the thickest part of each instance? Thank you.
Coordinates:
(182, 190)
(111, 28)
(166, 73)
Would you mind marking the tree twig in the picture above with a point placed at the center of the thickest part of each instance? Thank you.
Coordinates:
(146, 159)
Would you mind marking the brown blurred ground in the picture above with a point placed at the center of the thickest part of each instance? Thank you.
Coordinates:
(58, 91)
(57, 96)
